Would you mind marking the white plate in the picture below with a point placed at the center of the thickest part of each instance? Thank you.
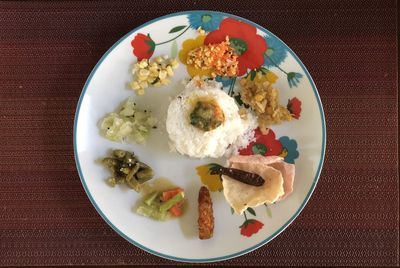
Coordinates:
(107, 87)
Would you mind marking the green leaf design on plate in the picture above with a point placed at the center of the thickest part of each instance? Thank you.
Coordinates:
(263, 70)
(214, 167)
(239, 45)
(239, 101)
(177, 29)
(251, 211)
(252, 74)
(174, 49)
(259, 148)
(232, 210)
(150, 43)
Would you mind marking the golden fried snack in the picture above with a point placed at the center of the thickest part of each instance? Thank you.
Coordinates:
(221, 58)
(206, 217)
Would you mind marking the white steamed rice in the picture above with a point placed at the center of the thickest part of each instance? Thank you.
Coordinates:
(234, 133)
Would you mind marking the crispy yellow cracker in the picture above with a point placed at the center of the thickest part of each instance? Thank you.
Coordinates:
(241, 196)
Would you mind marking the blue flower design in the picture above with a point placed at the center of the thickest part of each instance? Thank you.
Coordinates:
(290, 152)
(226, 81)
(208, 21)
(293, 79)
(276, 52)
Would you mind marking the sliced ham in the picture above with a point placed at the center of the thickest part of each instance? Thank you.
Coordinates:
(278, 176)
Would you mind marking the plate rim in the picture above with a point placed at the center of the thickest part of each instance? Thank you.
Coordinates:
(233, 255)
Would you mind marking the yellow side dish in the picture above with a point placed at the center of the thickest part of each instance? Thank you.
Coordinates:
(157, 73)
(263, 98)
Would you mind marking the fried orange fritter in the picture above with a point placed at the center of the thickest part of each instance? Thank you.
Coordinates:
(206, 217)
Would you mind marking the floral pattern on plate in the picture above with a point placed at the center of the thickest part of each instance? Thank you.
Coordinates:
(175, 35)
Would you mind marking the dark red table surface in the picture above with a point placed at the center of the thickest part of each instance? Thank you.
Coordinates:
(47, 50)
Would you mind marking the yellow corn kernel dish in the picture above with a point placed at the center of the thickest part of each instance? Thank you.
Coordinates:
(155, 73)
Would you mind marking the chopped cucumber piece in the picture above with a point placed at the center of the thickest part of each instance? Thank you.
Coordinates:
(151, 212)
(165, 206)
(129, 123)
(151, 197)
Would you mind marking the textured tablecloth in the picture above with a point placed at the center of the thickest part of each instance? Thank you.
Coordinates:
(47, 50)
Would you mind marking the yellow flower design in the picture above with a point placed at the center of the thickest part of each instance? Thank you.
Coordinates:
(213, 182)
(268, 76)
(271, 77)
(188, 46)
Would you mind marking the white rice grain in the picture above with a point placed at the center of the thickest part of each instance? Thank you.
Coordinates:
(233, 134)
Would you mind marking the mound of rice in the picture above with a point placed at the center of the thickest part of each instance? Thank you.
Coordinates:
(234, 133)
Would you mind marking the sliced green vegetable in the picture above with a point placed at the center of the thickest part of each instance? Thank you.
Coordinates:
(151, 197)
(165, 206)
(125, 166)
(125, 170)
(144, 175)
(151, 212)
(130, 158)
(119, 153)
(134, 185)
(131, 180)
(111, 181)
(110, 163)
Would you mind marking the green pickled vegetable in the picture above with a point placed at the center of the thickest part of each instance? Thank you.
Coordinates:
(111, 163)
(144, 175)
(112, 181)
(119, 153)
(131, 180)
(126, 168)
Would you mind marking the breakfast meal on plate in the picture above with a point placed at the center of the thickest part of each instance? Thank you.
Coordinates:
(126, 168)
(206, 217)
(129, 124)
(204, 121)
(278, 179)
(162, 205)
(155, 73)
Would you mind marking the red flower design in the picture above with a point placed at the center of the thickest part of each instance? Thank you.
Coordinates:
(244, 39)
(294, 106)
(143, 46)
(264, 144)
(250, 227)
